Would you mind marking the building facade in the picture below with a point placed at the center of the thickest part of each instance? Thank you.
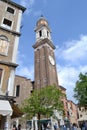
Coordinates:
(10, 22)
(72, 112)
(82, 114)
(64, 100)
(23, 88)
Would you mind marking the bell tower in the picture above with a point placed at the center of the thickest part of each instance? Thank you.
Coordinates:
(45, 64)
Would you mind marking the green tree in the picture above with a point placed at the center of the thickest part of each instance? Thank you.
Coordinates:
(43, 101)
(80, 90)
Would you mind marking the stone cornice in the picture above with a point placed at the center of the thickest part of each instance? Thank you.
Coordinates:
(15, 4)
(10, 31)
(8, 63)
(42, 42)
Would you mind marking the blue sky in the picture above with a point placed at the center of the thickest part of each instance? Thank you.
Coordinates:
(68, 22)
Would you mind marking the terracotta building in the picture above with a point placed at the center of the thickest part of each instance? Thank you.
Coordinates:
(72, 112)
(64, 100)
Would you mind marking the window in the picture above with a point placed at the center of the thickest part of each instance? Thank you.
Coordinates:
(10, 10)
(0, 75)
(82, 109)
(68, 114)
(66, 105)
(45, 80)
(3, 45)
(40, 33)
(17, 90)
(7, 23)
(80, 115)
(3, 37)
(47, 33)
(79, 108)
(71, 108)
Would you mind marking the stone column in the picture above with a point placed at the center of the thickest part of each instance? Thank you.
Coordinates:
(7, 123)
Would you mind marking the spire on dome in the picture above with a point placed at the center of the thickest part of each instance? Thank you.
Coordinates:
(42, 21)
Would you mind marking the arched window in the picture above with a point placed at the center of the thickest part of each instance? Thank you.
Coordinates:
(3, 45)
(3, 37)
(40, 33)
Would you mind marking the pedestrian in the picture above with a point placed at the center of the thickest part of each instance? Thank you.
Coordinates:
(74, 127)
(46, 126)
(64, 127)
(19, 127)
(86, 125)
(83, 125)
(55, 126)
(14, 127)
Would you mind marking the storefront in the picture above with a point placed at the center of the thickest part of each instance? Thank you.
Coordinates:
(9, 112)
(5, 114)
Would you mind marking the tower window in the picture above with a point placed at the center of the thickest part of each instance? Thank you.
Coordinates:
(40, 33)
(38, 81)
(10, 10)
(47, 33)
(45, 79)
(17, 90)
(7, 23)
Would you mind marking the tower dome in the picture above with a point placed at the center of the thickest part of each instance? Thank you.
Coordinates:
(42, 29)
(42, 21)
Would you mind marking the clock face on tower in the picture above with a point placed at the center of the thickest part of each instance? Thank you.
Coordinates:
(51, 59)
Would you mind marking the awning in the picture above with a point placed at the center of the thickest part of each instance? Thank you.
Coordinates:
(16, 111)
(5, 108)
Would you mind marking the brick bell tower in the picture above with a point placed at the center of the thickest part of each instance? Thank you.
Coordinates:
(45, 64)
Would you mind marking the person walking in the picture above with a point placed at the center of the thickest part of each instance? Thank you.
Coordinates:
(55, 126)
(19, 127)
(74, 127)
(14, 127)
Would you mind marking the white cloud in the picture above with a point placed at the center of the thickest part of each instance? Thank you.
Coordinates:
(22, 69)
(74, 51)
(68, 75)
(71, 61)
(29, 7)
(28, 4)
(26, 72)
(19, 57)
